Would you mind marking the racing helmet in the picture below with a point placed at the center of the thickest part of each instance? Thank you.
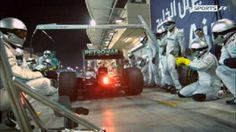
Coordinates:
(47, 54)
(169, 23)
(198, 48)
(19, 52)
(141, 62)
(130, 55)
(14, 31)
(143, 38)
(199, 32)
(222, 30)
(161, 31)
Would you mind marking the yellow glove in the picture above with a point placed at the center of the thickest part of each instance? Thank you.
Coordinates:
(181, 60)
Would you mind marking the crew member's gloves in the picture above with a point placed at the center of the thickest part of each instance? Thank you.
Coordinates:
(182, 61)
(230, 62)
(50, 74)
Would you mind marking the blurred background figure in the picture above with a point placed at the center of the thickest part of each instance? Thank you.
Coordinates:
(143, 65)
(205, 63)
(47, 61)
(203, 37)
(31, 63)
(55, 61)
(132, 60)
(47, 54)
(166, 81)
(90, 73)
(153, 61)
(19, 53)
(224, 32)
(126, 63)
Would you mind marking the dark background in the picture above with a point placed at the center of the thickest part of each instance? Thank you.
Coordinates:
(68, 44)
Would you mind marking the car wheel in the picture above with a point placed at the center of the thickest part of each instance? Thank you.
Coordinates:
(67, 85)
(187, 76)
(133, 79)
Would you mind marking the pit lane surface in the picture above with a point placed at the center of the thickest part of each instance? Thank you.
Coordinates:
(157, 111)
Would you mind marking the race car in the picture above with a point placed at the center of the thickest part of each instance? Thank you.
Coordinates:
(108, 76)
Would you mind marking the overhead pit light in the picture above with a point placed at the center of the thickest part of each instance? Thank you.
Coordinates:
(111, 33)
(127, 40)
(135, 41)
(119, 21)
(141, 38)
(92, 22)
(136, 47)
(91, 46)
(107, 43)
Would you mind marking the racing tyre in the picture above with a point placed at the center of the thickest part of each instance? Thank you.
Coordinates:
(67, 85)
(187, 76)
(133, 79)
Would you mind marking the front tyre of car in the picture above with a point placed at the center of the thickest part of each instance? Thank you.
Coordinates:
(68, 85)
(133, 79)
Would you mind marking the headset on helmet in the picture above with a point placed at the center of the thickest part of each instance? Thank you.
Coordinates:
(222, 30)
(14, 31)
(47, 53)
(19, 52)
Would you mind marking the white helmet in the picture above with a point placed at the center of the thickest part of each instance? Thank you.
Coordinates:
(47, 53)
(15, 31)
(161, 32)
(222, 30)
(169, 23)
(130, 55)
(19, 52)
(198, 48)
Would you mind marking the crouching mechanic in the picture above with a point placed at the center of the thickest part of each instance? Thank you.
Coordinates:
(14, 36)
(224, 32)
(205, 63)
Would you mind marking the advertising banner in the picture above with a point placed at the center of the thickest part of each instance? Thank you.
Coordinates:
(190, 14)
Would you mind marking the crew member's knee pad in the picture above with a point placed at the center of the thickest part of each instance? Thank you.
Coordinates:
(199, 97)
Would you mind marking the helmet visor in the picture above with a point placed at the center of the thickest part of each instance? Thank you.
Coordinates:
(20, 33)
